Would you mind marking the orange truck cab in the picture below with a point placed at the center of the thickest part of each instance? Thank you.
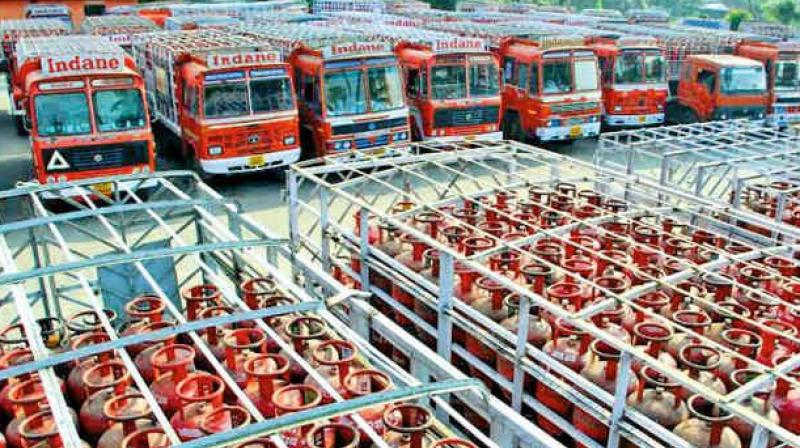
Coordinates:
(349, 88)
(782, 64)
(85, 106)
(634, 79)
(226, 100)
(719, 87)
(552, 89)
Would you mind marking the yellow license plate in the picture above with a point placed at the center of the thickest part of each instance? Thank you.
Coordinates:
(469, 138)
(642, 118)
(255, 161)
(575, 131)
(105, 188)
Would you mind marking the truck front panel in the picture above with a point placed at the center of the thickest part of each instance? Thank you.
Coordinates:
(784, 109)
(635, 92)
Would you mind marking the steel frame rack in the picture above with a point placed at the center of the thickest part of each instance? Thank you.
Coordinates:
(104, 25)
(324, 196)
(34, 47)
(719, 160)
(49, 260)
(288, 35)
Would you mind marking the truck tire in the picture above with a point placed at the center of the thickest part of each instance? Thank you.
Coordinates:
(512, 129)
(19, 123)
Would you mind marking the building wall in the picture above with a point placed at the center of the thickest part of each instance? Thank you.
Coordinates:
(15, 9)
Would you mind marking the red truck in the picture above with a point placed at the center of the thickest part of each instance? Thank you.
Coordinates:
(226, 100)
(782, 64)
(85, 109)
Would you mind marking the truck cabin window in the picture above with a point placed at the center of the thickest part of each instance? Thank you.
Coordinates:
(629, 68)
(449, 82)
(271, 95)
(119, 110)
(483, 80)
(787, 75)
(226, 100)
(344, 93)
(62, 114)
(655, 67)
(556, 77)
(385, 90)
(743, 80)
(708, 80)
(585, 75)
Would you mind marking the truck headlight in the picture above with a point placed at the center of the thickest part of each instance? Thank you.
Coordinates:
(723, 117)
(761, 115)
(289, 140)
(145, 169)
(215, 150)
(51, 179)
(62, 178)
(617, 108)
(400, 136)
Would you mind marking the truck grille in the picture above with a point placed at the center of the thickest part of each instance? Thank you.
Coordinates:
(574, 107)
(84, 158)
(369, 126)
(466, 117)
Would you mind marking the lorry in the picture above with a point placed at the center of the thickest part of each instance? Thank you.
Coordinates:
(118, 29)
(782, 64)
(85, 109)
(349, 88)
(223, 100)
(452, 83)
(634, 80)
(49, 11)
(719, 87)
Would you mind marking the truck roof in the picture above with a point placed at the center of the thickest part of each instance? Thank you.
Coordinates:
(18, 28)
(51, 46)
(331, 42)
(726, 60)
(106, 25)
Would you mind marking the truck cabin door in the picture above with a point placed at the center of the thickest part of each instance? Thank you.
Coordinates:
(705, 89)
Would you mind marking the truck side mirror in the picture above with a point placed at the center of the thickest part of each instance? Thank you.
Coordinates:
(26, 123)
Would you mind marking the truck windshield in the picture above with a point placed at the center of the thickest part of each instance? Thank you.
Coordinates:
(62, 114)
(556, 77)
(226, 100)
(119, 110)
(585, 74)
(654, 68)
(787, 75)
(743, 80)
(638, 67)
(483, 80)
(344, 93)
(385, 90)
(271, 95)
(448, 82)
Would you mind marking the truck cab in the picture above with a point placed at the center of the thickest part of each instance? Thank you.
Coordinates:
(86, 110)
(349, 89)
(719, 87)
(782, 64)
(634, 80)
(552, 89)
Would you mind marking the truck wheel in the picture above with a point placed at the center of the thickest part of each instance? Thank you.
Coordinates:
(512, 130)
(19, 123)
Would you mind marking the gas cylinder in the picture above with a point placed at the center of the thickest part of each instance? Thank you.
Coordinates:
(744, 342)
(708, 426)
(75, 388)
(424, 311)
(225, 418)
(334, 360)
(144, 357)
(490, 304)
(258, 443)
(653, 336)
(406, 425)
(602, 370)
(147, 438)
(785, 399)
(255, 290)
(127, 413)
(772, 346)
(266, 373)
(142, 311)
(102, 382)
(467, 293)
(539, 332)
(786, 266)
(27, 398)
(412, 254)
(696, 321)
(726, 315)
(568, 346)
(305, 332)
(452, 442)
(239, 345)
(647, 303)
(13, 357)
(199, 394)
(334, 435)
(296, 398)
(40, 431)
(172, 364)
(758, 403)
(365, 382)
(277, 322)
(199, 297)
(214, 336)
(701, 362)
(88, 321)
(656, 397)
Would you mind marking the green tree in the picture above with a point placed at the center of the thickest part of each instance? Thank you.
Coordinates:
(783, 11)
(736, 16)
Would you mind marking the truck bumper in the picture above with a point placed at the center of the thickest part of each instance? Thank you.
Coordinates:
(634, 120)
(106, 188)
(489, 136)
(783, 120)
(251, 163)
(563, 133)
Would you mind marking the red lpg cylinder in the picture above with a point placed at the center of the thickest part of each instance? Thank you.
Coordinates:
(744, 342)
(773, 346)
(214, 337)
(75, 386)
(266, 373)
(88, 321)
(539, 332)
(256, 290)
(602, 370)
(143, 311)
(144, 358)
(490, 304)
(258, 443)
(651, 302)
(758, 403)
(366, 382)
(296, 398)
(277, 322)
(388, 243)
(424, 311)
(406, 425)
(334, 359)
(199, 297)
(452, 443)
(199, 394)
(147, 438)
(786, 400)
(305, 332)
(568, 346)
(701, 362)
(727, 315)
(127, 413)
(653, 336)
(172, 364)
(334, 435)
(239, 345)
(567, 294)
(27, 398)
(696, 321)
(708, 426)
(102, 382)
(40, 431)
(657, 398)
(225, 418)
(12, 358)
